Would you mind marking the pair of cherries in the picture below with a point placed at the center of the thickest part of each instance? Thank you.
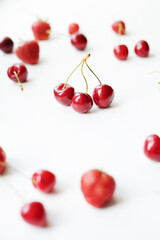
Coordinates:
(82, 102)
(121, 51)
(43, 180)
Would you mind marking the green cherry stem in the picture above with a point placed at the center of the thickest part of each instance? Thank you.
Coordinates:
(93, 72)
(18, 80)
(84, 77)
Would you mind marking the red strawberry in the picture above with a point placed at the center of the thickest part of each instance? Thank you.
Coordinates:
(41, 30)
(98, 187)
(119, 27)
(28, 52)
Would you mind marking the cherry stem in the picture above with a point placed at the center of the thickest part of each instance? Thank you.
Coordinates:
(84, 77)
(18, 80)
(93, 72)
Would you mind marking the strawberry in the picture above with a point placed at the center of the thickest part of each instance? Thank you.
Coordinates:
(28, 52)
(41, 30)
(119, 27)
(97, 187)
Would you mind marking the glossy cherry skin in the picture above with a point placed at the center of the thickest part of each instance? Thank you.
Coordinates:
(121, 52)
(41, 30)
(44, 181)
(82, 102)
(2, 160)
(152, 147)
(97, 187)
(21, 71)
(64, 95)
(119, 27)
(103, 95)
(28, 52)
(79, 41)
(142, 49)
(6, 45)
(73, 28)
(34, 213)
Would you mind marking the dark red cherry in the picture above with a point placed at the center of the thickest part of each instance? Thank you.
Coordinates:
(44, 181)
(119, 27)
(79, 41)
(121, 52)
(142, 49)
(63, 94)
(21, 71)
(152, 147)
(6, 45)
(2, 160)
(103, 95)
(34, 213)
(82, 102)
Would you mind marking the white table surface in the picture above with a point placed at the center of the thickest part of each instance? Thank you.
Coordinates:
(38, 133)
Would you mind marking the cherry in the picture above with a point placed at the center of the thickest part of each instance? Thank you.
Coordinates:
(28, 52)
(44, 180)
(18, 73)
(103, 95)
(82, 102)
(41, 30)
(121, 52)
(142, 49)
(64, 94)
(34, 213)
(152, 147)
(2, 160)
(79, 41)
(119, 27)
(6, 45)
(97, 187)
(73, 28)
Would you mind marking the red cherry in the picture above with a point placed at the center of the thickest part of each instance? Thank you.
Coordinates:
(64, 95)
(152, 147)
(119, 27)
(103, 95)
(97, 187)
(121, 52)
(79, 41)
(44, 180)
(82, 102)
(73, 28)
(6, 45)
(41, 30)
(2, 160)
(142, 49)
(28, 52)
(34, 213)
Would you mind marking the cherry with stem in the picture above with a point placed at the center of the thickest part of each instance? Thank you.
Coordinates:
(18, 80)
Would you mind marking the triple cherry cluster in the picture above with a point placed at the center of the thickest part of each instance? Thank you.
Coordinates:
(34, 212)
(65, 94)
(121, 51)
(28, 51)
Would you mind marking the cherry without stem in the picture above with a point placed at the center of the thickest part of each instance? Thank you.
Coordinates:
(142, 49)
(2, 160)
(152, 147)
(6, 45)
(73, 28)
(79, 41)
(121, 52)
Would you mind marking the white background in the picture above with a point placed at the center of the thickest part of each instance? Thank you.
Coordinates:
(38, 133)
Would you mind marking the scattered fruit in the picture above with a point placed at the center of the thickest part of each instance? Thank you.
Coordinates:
(64, 94)
(103, 95)
(82, 102)
(152, 147)
(121, 52)
(18, 73)
(44, 181)
(97, 187)
(6, 45)
(34, 213)
(41, 30)
(2, 160)
(28, 52)
(73, 28)
(79, 41)
(142, 49)
(119, 27)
